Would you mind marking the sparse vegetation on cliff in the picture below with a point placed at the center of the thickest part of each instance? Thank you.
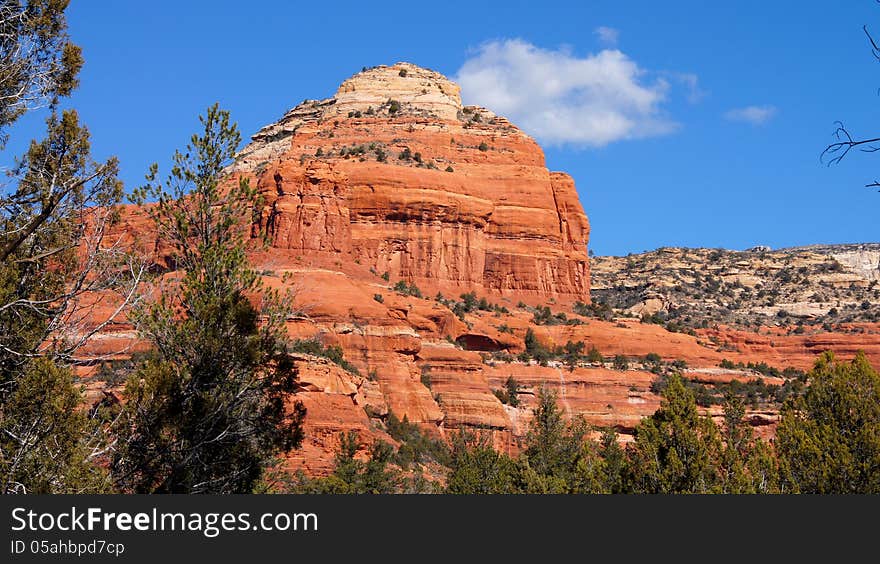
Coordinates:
(805, 289)
(405, 288)
(314, 347)
(509, 394)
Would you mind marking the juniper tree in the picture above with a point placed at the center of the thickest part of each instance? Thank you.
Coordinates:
(829, 439)
(745, 464)
(49, 443)
(38, 62)
(477, 468)
(553, 448)
(53, 227)
(352, 475)
(207, 412)
(55, 213)
(675, 449)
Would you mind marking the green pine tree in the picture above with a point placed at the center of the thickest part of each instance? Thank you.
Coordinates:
(675, 449)
(39, 63)
(829, 439)
(352, 475)
(53, 214)
(552, 445)
(477, 468)
(745, 464)
(207, 413)
(601, 468)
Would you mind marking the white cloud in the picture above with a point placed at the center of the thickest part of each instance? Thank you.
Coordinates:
(561, 98)
(607, 35)
(692, 83)
(755, 115)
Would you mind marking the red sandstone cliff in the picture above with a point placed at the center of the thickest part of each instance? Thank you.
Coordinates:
(394, 174)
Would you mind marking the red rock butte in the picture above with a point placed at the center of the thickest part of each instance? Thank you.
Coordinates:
(394, 174)
(392, 181)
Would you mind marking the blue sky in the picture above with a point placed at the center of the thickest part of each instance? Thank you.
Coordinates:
(686, 123)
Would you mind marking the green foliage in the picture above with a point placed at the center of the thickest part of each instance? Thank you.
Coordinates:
(760, 367)
(206, 414)
(744, 465)
(572, 353)
(593, 355)
(315, 347)
(673, 449)
(53, 215)
(535, 349)
(512, 388)
(655, 318)
(42, 277)
(407, 289)
(449, 169)
(679, 451)
(752, 391)
(483, 147)
(597, 309)
(543, 316)
(477, 468)
(829, 440)
(614, 464)
(601, 468)
(620, 362)
(48, 441)
(470, 303)
(39, 63)
(658, 384)
(510, 394)
(553, 447)
(352, 475)
(378, 298)
(416, 447)
(531, 341)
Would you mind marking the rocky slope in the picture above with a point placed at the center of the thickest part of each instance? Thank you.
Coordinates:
(828, 285)
(428, 239)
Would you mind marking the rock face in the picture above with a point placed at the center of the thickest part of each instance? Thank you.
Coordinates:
(825, 285)
(395, 174)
